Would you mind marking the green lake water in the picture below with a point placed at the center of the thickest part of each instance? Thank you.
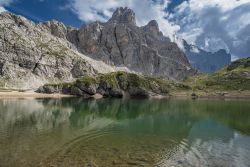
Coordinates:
(115, 132)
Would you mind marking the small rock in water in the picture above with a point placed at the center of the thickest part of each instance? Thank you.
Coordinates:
(194, 95)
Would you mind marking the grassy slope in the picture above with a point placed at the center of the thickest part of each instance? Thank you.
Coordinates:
(234, 77)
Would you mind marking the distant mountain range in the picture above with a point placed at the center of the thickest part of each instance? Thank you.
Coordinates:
(206, 62)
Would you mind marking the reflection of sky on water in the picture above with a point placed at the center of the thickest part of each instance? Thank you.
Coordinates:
(211, 144)
(199, 137)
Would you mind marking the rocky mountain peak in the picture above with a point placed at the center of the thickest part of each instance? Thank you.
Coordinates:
(144, 49)
(56, 28)
(123, 15)
(222, 51)
(52, 52)
(204, 61)
(153, 28)
(154, 24)
(34, 54)
(18, 20)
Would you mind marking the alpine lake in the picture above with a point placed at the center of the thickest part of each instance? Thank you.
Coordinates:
(58, 132)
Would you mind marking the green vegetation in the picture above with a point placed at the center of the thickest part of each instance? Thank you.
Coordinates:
(87, 80)
(43, 45)
(109, 79)
(65, 85)
(114, 83)
(154, 84)
(234, 77)
(231, 81)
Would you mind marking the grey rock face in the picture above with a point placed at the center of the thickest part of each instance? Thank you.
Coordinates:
(145, 50)
(206, 62)
(55, 28)
(116, 93)
(117, 84)
(89, 89)
(123, 16)
(78, 92)
(138, 93)
(32, 55)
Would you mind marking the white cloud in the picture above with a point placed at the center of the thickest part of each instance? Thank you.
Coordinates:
(215, 24)
(2, 9)
(209, 24)
(146, 10)
(224, 5)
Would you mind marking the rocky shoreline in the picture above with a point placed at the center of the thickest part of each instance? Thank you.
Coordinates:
(88, 61)
(130, 85)
(231, 82)
(231, 95)
(29, 94)
(116, 85)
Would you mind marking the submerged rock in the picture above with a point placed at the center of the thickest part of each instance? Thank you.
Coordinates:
(194, 95)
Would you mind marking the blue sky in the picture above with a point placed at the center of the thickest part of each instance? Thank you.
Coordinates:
(43, 10)
(209, 24)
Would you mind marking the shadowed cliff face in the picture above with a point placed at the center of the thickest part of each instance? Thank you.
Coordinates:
(33, 54)
(120, 42)
(142, 49)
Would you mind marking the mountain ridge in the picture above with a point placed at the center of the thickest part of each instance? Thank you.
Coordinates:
(120, 42)
(34, 54)
(206, 62)
(30, 56)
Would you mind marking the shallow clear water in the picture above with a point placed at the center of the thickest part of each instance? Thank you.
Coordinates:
(77, 132)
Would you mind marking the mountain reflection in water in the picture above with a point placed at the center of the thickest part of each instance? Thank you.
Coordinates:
(115, 132)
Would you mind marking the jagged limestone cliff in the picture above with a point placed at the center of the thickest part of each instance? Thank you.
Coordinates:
(142, 49)
(33, 54)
